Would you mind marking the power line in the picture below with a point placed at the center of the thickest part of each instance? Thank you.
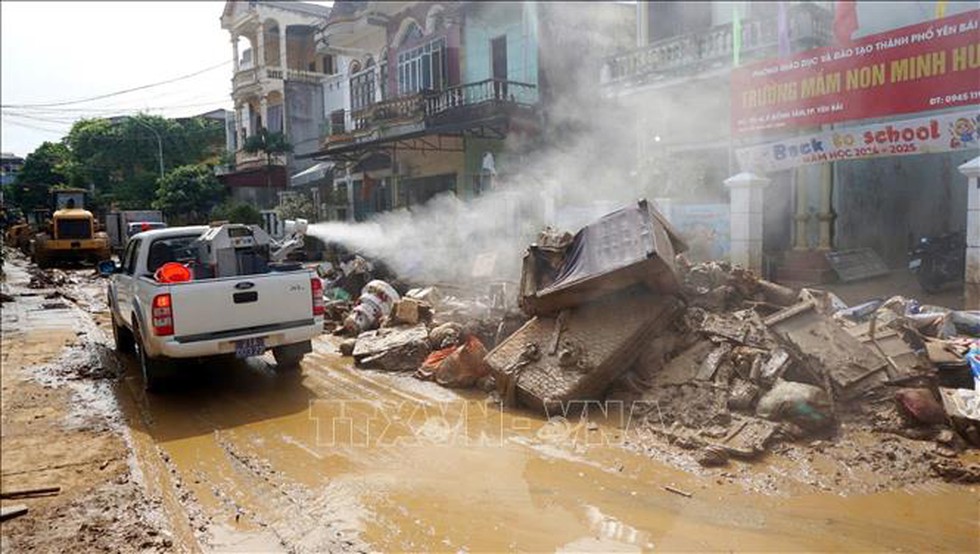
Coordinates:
(36, 128)
(70, 120)
(58, 111)
(62, 119)
(111, 94)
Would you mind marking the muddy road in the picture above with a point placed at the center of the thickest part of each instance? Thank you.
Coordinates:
(233, 457)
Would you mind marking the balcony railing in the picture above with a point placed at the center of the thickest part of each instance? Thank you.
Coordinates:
(473, 94)
(402, 108)
(305, 76)
(809, 27)
(250, 76)
(245, 77)
(426, 106)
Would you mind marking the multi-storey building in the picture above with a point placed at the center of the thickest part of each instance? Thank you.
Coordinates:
(434, 97)
(276, 86)
(10, 166)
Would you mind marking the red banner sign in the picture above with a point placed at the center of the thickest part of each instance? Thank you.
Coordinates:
(927, 66)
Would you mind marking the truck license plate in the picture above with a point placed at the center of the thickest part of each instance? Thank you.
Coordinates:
(914, 264)
(249, 347)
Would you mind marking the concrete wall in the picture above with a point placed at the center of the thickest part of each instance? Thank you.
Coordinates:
(516, 23)
(415, 164)
(421, 164)
(304, 114)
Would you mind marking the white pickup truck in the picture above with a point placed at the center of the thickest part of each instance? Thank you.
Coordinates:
(242, 315)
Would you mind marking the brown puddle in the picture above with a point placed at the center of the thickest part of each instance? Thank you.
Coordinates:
(340, 457)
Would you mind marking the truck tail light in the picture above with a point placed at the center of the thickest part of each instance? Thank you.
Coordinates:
(163, 316)
(316, 289)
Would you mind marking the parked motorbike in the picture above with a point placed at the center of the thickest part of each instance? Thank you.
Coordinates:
(938, 260)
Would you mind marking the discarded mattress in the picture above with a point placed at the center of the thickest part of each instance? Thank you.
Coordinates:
(550, 361)
(635, 244)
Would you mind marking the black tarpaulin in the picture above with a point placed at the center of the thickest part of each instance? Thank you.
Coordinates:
(631, 245)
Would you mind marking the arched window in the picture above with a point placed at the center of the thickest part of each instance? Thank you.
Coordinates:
(413, 32)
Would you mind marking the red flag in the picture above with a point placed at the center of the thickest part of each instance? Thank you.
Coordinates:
(845, 20)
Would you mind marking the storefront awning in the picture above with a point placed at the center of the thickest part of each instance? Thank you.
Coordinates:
(315, 173)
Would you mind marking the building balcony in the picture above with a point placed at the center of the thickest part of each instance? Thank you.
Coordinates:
(249, 80)
(245, 78)
(450, 111)
(305, 76)
(810, 26)
(247, 160)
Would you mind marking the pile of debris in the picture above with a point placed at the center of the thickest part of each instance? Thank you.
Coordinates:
(720, 359)
(440, 338)
(47, 278)
(714, 357)
(750, 363)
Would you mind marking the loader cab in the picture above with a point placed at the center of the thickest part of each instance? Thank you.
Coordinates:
(71, 220)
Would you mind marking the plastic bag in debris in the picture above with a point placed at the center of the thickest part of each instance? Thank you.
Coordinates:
(445, 336)
(936, 325)
(456, 366)
(805, 405)
(920, 405)
(973, 358)
(966, 322)
(861, 311)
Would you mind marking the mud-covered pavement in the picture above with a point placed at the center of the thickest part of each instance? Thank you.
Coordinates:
(235, 458)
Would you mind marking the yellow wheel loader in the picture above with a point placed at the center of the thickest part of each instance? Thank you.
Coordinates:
(71, 235)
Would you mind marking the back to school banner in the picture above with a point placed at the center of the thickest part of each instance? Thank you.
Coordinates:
(925, 135)
(922, 67)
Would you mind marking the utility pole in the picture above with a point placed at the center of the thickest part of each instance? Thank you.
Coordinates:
(159, 142)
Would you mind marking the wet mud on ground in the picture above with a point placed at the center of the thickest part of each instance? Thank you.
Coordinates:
(233, 457)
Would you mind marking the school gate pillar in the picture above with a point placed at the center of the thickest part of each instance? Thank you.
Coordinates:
(746, 190)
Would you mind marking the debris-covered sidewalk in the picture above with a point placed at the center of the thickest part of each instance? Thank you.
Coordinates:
(719, 363)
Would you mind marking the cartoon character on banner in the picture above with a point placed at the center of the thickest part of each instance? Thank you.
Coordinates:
(964, 131)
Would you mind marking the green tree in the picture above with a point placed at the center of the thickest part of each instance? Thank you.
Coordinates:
(121, 157)
(237, 213)
(188, 193)
(270, 144)
(44, 168)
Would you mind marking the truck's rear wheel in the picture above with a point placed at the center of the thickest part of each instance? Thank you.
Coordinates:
(121, 335)
(153, 369)
(289, 357)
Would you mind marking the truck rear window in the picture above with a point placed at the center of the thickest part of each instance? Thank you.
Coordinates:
(172, 249)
